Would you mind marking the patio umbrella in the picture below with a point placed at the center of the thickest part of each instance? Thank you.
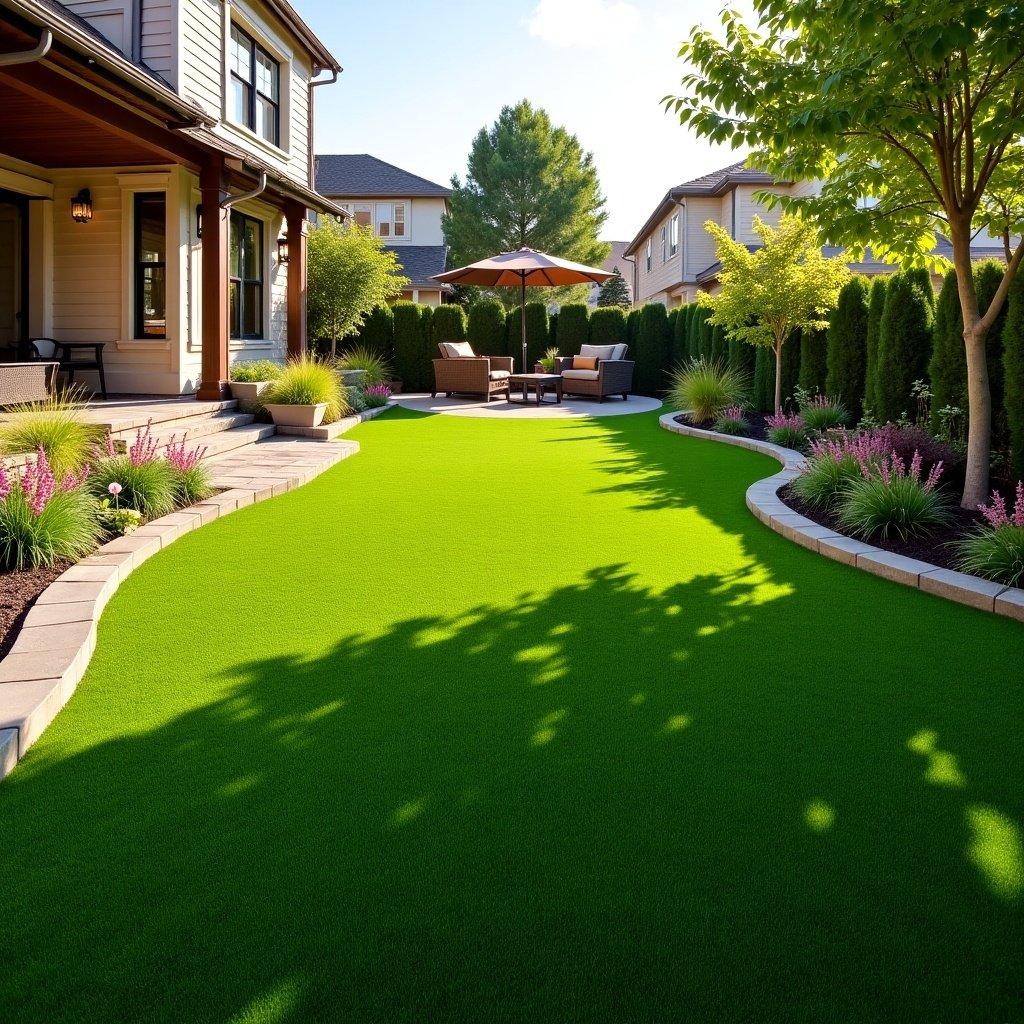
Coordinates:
(524, 267)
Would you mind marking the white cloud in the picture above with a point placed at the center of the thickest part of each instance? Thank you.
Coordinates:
(583, 23)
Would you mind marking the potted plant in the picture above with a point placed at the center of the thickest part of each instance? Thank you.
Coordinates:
(546, 363)
(306, 393)
(250, 379)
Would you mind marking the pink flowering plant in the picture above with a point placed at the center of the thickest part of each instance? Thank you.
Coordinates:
(376, 395)
(43, 520)
(995, 550)
(732, 421)
(822, 413)
(787, 430)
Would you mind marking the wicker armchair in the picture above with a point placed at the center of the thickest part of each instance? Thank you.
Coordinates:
(470, 374)
(612, 377)
(21, 383)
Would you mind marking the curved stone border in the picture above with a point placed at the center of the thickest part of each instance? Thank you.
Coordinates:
(763, 500)
(56, 641)
(571, 407)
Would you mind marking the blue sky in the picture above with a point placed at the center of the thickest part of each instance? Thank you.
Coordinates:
(422, 77)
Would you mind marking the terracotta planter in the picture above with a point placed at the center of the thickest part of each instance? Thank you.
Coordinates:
(248, 393)
(297, 415)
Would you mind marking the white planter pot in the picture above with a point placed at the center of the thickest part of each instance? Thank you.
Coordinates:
(248, 392)
(297, 415)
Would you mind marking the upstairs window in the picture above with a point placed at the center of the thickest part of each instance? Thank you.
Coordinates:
(255, 87)
(150, 265)
(664, 244)
(673, 241)
(391, 220)
(245, 277)
(649, 253)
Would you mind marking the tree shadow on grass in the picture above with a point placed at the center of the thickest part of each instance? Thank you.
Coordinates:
(598, 803)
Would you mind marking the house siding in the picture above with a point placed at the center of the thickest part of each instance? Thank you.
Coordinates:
(663, 276)
(159, 20)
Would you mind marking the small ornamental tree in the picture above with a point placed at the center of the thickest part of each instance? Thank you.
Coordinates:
(813, 361)
(448, 323)
(573, 328)
(607, 326)
(785, 285)
(378, 332)
(947, 368)
(846, 346)
(904, 341)
(486, 329)
(876, 307)
(350, 272)
(1013, 376)
(614, 291)
(650, 349)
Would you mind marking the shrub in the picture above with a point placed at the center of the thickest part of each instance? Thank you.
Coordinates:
(487, 328)
(705, 340)
(376, 369)
(413, 350)
(988, 274)
(679, 350)
(764, 379)
(573, 327)
(846, 346)
(947, 368)
(192, 481)
(904, 341)
(376, 395)
(632, 324)
(719, 343)
(705, 389)
(55, 426)
(149, 487)
(836, 459)
(1013, 374)
(548, 360)
(906, 441)
(306, 380)
(821, 413)
(996, 551)
(650, 349)
(43, 520)
(892, 499)
(448, 323)
(553, 327)
(732, 421)
(536, 334)
(788, 431)
(813, 361)
(876, 307)
(377, 332)
(116, 521)
(254, 371)
(607, 327)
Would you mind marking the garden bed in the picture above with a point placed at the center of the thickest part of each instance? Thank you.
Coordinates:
(18, 592)
(758, 425)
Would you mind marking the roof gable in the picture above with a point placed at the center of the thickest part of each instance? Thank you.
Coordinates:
(357, 175)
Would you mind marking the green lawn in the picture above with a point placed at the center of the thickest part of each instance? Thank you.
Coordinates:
(529, 721)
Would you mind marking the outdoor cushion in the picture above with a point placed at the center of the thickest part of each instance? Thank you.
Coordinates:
(580, 374)
(584, 363)
(599, 351)
(456, 349)
(498, 374)
(619, 351)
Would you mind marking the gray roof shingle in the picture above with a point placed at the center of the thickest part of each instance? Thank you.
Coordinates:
(421, 262)
(358, 175)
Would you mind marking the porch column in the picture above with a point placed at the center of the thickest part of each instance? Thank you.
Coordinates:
(295, 215)
(214, 384)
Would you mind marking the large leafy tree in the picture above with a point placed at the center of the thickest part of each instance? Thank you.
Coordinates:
(783, 286)
(350, 272)
(910, 113)
(528, 183)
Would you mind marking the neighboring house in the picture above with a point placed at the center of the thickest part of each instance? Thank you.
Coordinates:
(155, 177)
(401, 207)
(674, 256)
(614, 261)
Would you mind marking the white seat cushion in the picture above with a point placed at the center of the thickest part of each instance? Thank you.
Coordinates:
(498, 374)
(457, 349)
(604, 351)
(580, 374)
(619, 352)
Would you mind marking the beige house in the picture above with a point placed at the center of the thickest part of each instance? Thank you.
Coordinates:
(402, 208)
(155, 178)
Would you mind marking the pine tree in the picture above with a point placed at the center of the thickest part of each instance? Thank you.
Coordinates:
(614, 291)
(876, 307)
(846, 346)
(904, 341)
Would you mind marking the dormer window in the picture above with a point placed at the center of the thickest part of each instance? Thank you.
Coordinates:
(255, 87)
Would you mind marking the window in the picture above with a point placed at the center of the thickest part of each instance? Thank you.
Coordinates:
(245, 277)
(664, 244)
(363, 214)
(391, 220)
(648, 254)
(150, 255)
(673, 244)
(255, 87)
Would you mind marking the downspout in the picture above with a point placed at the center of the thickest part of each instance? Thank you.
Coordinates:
(309, 127)
(226, 204)
(682, 242)
(632, 297)
(38, 52)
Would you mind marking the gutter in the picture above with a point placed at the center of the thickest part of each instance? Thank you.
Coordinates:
(38, 52)
(309, 120)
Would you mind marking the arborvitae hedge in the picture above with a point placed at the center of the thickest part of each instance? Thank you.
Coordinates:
(553, 329)
(1013, 375)
(378, 332)
(719, 344)
(673, 318)
(650, 349)
(904, 341)
(763, 397)
(486, 331)
(413, 355)
(707, 330)
(536, 335)
(607, 327)
(694, 331)
(448, 323)
(813, 361)
(742, 356)
(632, 323)
(681, 335)
(987, 276)
(876, 306)
(846, 346)
(948, 365)
(573, 328)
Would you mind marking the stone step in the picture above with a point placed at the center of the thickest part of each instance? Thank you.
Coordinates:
(191, 428)
(238, 437)
(129, 415)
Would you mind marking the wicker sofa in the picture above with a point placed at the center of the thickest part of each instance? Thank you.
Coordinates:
(613, 376)
(460, 371)
(21, 383)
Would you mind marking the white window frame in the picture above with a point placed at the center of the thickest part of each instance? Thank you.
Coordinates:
(390, 207)
(673, 242)
(664, 243)
(649, 254)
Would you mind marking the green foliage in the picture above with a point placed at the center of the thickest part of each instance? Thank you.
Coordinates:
(719, 344)
(650, 349)
(813, 361)
(350, 272)
(414, 352)
(821, 414)
(67, 528)
(903, 506)
(548, 360)
(254, 371)
(680, 348)
(607, 326)
(573, 327)
(57, 427)
(876, 307)
(378, 331)
(994, 553)
(706, 340)
(614, 292)
(904, 341)
(536, 334)
(947, 368)
(376, 369)
(763, 397)
(695, 330)
(191, 485)
(448, 323)
(671, 318)
(846, 346)
(705, 389)
(148, 487)
(528, 183)
(487, 332)
(553, 327)
(306, 380)
(632, 325)
(988, 274)
(788, 436)
(825, 478)
(732, 427)
(117, 521)
(1013, 376)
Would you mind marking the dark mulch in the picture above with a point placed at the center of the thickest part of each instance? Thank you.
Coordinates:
(18, 592)
(758, 428)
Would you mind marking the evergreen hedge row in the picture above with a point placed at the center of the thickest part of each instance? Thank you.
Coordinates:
(846, 346)
(1013, 375)
(448, 323)
(607, 327)
(813, 369)
(650, 349)
(573, 328)
(413, 357)
(378, 332)
(904, 341)
(486, 328)
(948, 365)
(876, 307)
(536, 335)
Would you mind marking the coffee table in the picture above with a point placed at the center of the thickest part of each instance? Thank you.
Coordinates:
(539, 383)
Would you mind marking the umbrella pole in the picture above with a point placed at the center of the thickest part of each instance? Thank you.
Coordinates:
(522, 317)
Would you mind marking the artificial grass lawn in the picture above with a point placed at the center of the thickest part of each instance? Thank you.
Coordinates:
(528, 721)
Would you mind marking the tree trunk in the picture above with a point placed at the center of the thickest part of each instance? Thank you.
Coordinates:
(778, 377)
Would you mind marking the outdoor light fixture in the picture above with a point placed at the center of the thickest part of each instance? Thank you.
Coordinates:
(199, 220)
(282, 249)
(81, 207)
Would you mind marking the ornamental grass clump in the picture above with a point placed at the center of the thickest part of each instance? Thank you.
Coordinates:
(376, 395)
(307, 380)
(995, 551)
(705, 388)
(376, 369)
(821, 413)
(192, 482)
(891, 499)
(834, 460)
(42, 519)
(57, 427)
(732, 422)
(148, 482)
(787, 430)
(255, 371)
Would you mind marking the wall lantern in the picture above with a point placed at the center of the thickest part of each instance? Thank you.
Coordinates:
(199, 220)
(282, 250)
(81, 207)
